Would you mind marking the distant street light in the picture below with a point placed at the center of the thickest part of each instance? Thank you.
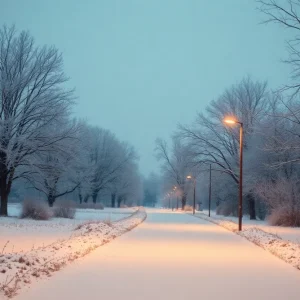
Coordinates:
(233, 121)
(190, 177)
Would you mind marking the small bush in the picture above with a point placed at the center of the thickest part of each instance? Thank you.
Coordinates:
(35, 209)
(90, 205)
(123, 206)
(284, 216)
(64, 209)
(282, 198)
(188, 208)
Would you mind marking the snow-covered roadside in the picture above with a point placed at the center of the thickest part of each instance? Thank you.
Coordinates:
(19, 269)
(286, 250)
(23, 235)
(291, 234)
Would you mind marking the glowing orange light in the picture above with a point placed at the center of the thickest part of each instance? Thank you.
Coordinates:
(230, 121)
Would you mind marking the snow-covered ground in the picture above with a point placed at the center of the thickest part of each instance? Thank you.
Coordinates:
(286, 233)
(287, 250)
(18, 235)
(173, 256)
(20, 269)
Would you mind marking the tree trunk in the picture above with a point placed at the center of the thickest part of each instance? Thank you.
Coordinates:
(113, 200)
(94, 197)
(4, 195)
(86, 198)
(5, 184)
(119, 201)
(80, 194)
(51, 199)
(183, 202)
(251, 204)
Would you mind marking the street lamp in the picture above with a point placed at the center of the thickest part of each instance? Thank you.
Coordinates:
(190, 177)
(233, 121)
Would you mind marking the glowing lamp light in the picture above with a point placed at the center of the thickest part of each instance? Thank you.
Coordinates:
(230, 121)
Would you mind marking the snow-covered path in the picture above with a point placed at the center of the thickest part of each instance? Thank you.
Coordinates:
(173, 256)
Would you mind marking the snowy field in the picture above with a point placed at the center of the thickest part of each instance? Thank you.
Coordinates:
(286, 233)
(22, 235)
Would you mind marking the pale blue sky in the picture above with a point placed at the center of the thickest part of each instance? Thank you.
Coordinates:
(142, 66)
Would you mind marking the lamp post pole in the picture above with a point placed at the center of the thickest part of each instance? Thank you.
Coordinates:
(241, 179)
(209, 196)
(194, 202)
(190, 177)
(240, 205)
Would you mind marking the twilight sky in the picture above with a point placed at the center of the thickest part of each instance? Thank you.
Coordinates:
(141, 66)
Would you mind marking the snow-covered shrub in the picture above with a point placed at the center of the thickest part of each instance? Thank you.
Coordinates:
(123, 206)
(36, 209)
(284, 216)
(188, 208)
(283, 200)
(64, 209)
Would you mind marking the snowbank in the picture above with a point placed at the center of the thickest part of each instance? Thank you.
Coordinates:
(286, 250)
(286, 233)
(23, 235)
(19, 269)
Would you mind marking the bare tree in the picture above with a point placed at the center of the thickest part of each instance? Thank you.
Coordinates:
(177, 164)
(107, 158)
(287, 14)
(128, 186)
(32, 99)
(57, 174)
(126, 183)
(281, 132)
(151, 189)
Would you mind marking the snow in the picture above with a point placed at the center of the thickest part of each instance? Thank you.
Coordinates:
(173, 256)
(20, 269)
(286, 250)
(25, 234)
(287, 233)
